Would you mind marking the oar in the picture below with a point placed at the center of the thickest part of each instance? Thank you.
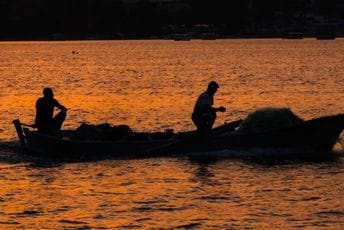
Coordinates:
(216, 131)
(230, 126)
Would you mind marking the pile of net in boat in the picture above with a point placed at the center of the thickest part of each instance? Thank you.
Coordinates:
(104, 132)
(268, 119)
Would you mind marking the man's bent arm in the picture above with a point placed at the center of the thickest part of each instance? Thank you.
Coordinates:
(61, 107)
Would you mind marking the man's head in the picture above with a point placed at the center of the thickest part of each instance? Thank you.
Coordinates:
(48, 93)
(212, 87)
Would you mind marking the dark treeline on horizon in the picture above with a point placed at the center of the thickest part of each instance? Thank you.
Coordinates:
(39, 19)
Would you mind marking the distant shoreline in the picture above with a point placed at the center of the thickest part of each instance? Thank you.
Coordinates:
(124, 38)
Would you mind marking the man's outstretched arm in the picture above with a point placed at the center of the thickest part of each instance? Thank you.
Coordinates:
(220, 109)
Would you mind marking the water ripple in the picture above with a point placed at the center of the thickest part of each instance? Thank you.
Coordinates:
(152, 85)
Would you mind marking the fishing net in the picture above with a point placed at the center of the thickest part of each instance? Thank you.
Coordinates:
(101, 132)
(267, 119)
(341, 141)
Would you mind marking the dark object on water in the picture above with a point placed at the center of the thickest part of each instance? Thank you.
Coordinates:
(103, 132)
(293, 35)
(181, 37)
(325, 36)
(317, 135)
(137, 144)
(267, 119)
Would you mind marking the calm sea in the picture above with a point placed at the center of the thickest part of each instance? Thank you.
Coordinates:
(152, 85)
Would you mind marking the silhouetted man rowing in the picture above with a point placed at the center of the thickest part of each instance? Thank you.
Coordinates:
(45, 120)
(204, 113)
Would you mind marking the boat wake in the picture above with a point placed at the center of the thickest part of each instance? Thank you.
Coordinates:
(9, 144)
(10, 152)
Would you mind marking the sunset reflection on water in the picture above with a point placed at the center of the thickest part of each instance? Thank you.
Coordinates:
(169, 192)
(153, 85)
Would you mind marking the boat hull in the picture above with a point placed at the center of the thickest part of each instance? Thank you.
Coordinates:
(41, 144)
(318, 135)
(314, 136)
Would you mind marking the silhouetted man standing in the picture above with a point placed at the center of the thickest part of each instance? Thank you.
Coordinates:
(204, 113)
(45, 120)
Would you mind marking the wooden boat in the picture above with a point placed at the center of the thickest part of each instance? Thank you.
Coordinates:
(293, 35)
(325, 36)
(181, 37)
(42, 144)
(317, 135)
(208, 36)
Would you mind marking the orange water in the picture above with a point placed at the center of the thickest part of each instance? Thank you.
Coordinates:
(171, 193)
(152, 85)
